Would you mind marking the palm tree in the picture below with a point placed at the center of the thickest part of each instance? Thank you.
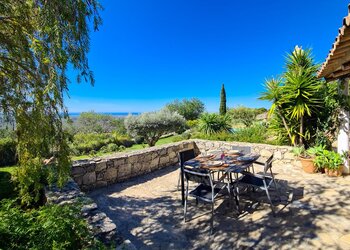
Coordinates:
(301, 88)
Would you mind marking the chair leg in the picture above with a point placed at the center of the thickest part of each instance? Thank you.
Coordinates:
(185, 209)
(178, 182)
(277, 189)
(212, 218)
(272, 207)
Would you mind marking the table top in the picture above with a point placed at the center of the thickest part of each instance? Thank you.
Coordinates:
(230, 163)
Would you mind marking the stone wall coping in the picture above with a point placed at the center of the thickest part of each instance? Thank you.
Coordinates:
(245, 143)
(120, 155)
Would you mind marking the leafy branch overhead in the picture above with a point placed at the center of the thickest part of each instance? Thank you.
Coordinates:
(38, 40)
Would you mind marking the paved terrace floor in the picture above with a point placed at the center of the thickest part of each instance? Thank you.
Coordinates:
(314, 214)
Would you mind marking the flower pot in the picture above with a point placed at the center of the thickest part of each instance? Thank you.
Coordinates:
(308, 165)
(334, 172)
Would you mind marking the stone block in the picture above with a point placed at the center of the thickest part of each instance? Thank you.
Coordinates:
(265, 153)
(91, 167)
(111, 173)
(278, 155)
(89, 178)
(78, 171)
(124, 171)
(78, 180)
(102, 165)
(289, 156)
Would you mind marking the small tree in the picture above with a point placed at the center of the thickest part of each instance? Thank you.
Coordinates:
(244, 115)
(91, 122)
(151, 126)
(223, 100)
(189, 109)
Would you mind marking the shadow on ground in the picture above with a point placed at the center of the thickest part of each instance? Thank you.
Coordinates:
(148, 211)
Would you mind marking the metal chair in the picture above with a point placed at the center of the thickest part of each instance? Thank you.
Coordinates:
(261, 181)
(206, 191)
(244, 150)
(183, 157)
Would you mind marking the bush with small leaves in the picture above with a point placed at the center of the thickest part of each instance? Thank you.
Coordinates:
(151, 126)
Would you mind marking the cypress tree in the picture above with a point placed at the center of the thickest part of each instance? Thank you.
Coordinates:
(223, 100)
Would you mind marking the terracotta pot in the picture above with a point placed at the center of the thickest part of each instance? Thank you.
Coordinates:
(334, 173)
(308, 165)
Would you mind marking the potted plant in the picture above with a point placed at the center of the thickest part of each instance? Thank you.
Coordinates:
(307, 157)
(335, 164)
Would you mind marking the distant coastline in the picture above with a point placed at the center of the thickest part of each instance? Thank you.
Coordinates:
(114, 114)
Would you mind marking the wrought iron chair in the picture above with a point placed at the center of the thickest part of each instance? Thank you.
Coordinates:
(261, 181)
(207, 190)
(183, 157)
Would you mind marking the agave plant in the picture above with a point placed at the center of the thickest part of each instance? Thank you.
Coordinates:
(213, 123)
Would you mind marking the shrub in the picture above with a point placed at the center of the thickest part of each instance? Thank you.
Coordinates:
(189, 109)
(151, 126)
(85, 143)
(213, 123)
(49, 227)
(91, 122)
(244, 115)
(7, 152)
(254, 134)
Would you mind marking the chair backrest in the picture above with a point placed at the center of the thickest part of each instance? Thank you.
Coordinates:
(186, 155)
(268, 164)
(243, 149)
(198, 175)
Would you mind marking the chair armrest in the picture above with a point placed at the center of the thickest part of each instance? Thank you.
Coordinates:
(259, 163)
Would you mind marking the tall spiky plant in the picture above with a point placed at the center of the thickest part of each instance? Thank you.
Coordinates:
(301, 89)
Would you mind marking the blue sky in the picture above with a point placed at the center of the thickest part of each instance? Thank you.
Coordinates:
(148, 53)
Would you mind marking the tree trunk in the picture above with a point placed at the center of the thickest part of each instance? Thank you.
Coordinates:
(286, 127)
(301, 131)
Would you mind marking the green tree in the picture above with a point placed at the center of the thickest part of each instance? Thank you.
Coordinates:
(223, 101)
(243, 114)
(213, 123)
(189, 109)
(152, 125)
(91, 122)
(38, 40)
(296, 96)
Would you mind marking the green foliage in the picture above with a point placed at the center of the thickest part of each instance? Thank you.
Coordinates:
(223, 106)
(329, 159)
(254, 134)
(91, 122)
(243, 114)
(192, 124)
(49, 227)
(151, 126)
(7, 188)
(38, 40)
(189, 109)
(213, 123)
(104, 142)
(304, 109)
(7, 151)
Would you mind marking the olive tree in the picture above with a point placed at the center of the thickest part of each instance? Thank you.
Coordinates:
(189, 109)
(152, 125)
(39, 39)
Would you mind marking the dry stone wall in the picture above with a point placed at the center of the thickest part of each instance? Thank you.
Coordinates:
(91, 174)
(102, 172)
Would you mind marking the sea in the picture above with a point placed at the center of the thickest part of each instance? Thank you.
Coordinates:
(114, 114)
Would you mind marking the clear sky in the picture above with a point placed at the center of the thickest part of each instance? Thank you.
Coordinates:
(150, 52)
